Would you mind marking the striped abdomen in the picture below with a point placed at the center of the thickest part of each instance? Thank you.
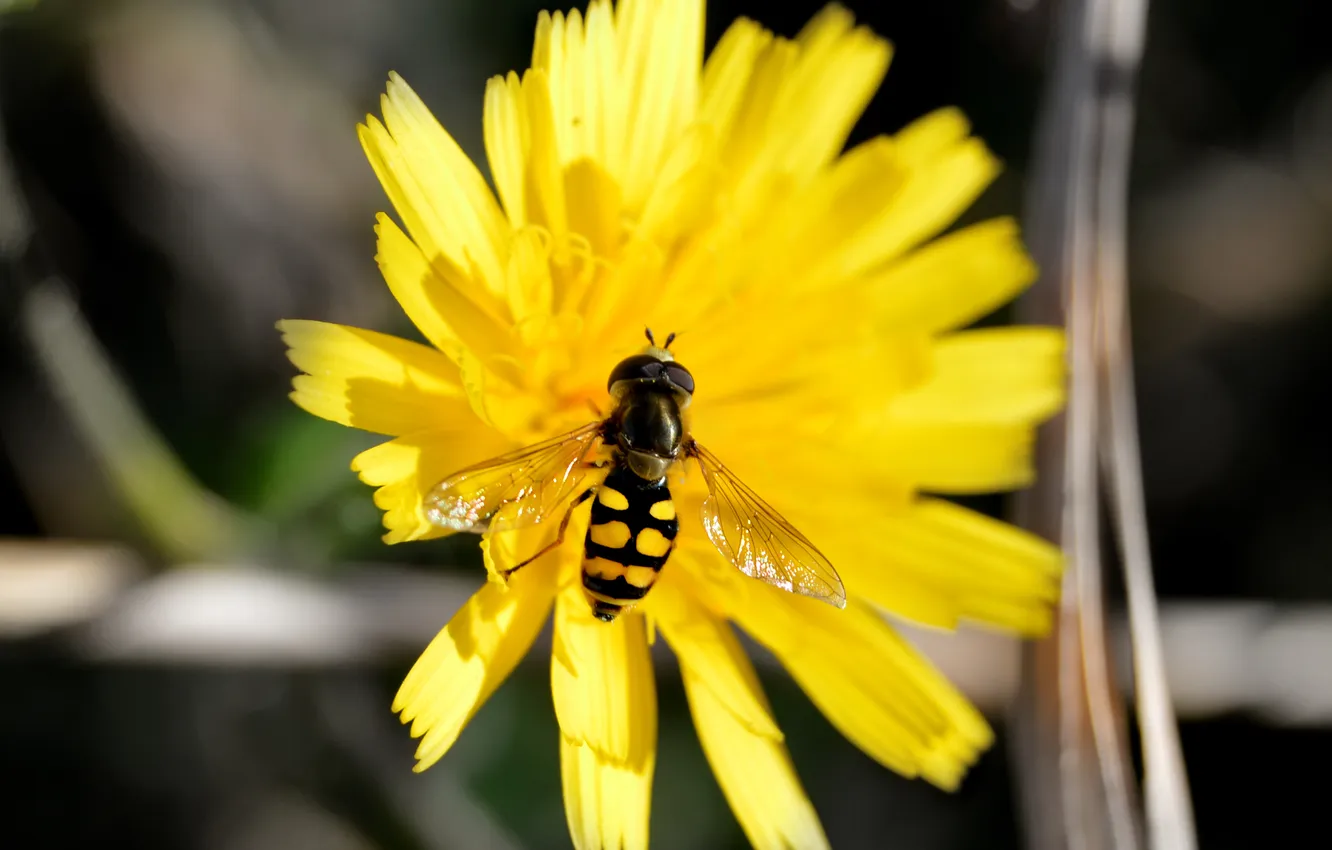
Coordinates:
(630, 537)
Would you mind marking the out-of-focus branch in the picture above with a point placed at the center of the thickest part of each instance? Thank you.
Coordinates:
(1070, 758)
(182, 518)
(15, 5)
(1076, 777)
(1169, 811)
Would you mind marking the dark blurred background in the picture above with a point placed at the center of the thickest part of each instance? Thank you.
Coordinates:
(200, 631)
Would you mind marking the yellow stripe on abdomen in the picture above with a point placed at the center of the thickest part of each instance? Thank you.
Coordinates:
(612, 498)
(612, 535)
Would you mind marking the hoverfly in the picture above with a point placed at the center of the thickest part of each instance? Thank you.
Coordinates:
(633, 525)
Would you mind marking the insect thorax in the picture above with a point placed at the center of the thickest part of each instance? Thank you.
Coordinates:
(648, 429)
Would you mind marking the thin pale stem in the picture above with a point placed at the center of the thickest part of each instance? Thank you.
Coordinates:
(1169, 812)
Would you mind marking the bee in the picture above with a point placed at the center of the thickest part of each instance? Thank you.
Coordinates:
(622, 462)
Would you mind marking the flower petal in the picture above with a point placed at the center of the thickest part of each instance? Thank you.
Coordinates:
(946, 171)
(407, 468)
(602, 682)
(734, 722)
(455, 206)
(754, 771)
(683, 192)
(606, 802)
(956, 458)
(529, 288)
(955, 415)
(954, 280)
(661, 53)
(938, 563)
(523, 149)
(443, 272)
(801, 100)
(705, 644)
(1006, 375)
(596, 213)
(791, 248)
(370, 380)
(870, 683)
(561, 48)
(469, 659)
(727, 73)
(623, 85)
(437, 298)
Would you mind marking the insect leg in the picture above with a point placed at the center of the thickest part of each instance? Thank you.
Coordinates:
(559, 537)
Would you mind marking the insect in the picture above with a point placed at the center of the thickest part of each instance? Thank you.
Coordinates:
(633, 525)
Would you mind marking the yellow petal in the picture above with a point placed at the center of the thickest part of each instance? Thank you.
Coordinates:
(661, 54)
(954, 280)
(802, 98)
(956, 458)
(938, 563)
(706, 646)
(595, 211)
(605, 802)
(430, 281)
(470, 657)
(727, 73)
(682, 195)
(799, 242)
(754, 771)
(454, 203)
(558, 49)
(760, 354)
(930, 136)
(407, 468)
(942, 182)
(529, 288)
(602, 681)
(506, 149)
(523, 148)
(579, 59)
(438, 299)
(370, 380)
(870, 683)
(1012, 375)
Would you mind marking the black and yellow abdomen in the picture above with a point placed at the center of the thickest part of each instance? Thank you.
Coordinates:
(630, 537)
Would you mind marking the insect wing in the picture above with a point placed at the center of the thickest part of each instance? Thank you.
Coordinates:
(514, 490)
(756, 538)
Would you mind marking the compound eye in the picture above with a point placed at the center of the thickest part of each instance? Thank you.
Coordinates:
(635, 368)
(680, 376)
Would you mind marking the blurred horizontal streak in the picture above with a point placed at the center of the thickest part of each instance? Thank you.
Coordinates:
(1261, 658)
(47, 585)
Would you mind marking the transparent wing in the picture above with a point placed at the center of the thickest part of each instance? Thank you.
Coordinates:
(758, 540)
(514, 490)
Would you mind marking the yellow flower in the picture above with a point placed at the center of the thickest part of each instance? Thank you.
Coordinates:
(641, 186)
